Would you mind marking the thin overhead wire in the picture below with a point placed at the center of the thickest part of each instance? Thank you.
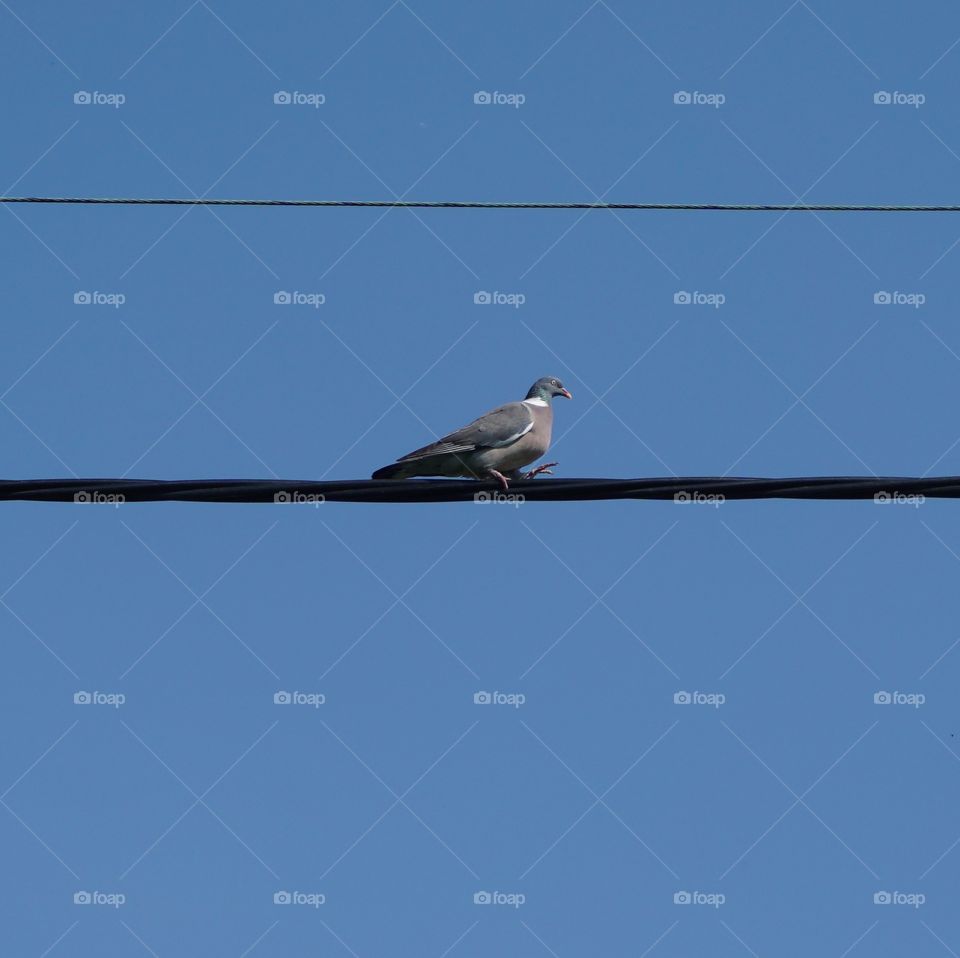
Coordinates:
(692, 490)
(489, 205)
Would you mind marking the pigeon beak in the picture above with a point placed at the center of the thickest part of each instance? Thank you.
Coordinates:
(567, 393)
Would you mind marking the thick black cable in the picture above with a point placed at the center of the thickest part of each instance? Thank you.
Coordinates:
(491, 205)
(278, 491)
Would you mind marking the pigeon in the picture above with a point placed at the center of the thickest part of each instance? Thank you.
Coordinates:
(495, 446)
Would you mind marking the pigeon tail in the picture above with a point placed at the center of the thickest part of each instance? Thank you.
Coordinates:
(395, 470)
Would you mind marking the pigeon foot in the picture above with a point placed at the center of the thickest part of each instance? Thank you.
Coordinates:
(545, 468)
(500, 477)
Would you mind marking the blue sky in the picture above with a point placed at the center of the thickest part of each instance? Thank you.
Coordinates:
(684, 753)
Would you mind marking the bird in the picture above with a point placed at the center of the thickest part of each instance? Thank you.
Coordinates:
(495, 446)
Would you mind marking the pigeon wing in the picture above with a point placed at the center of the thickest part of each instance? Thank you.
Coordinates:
(500, 427)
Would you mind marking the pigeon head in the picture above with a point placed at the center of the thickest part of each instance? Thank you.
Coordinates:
(546, 388)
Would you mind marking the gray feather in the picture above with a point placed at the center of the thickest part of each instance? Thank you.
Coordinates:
(500, 427)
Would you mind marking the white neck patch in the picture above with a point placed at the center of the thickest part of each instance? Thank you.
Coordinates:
(536, 402)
